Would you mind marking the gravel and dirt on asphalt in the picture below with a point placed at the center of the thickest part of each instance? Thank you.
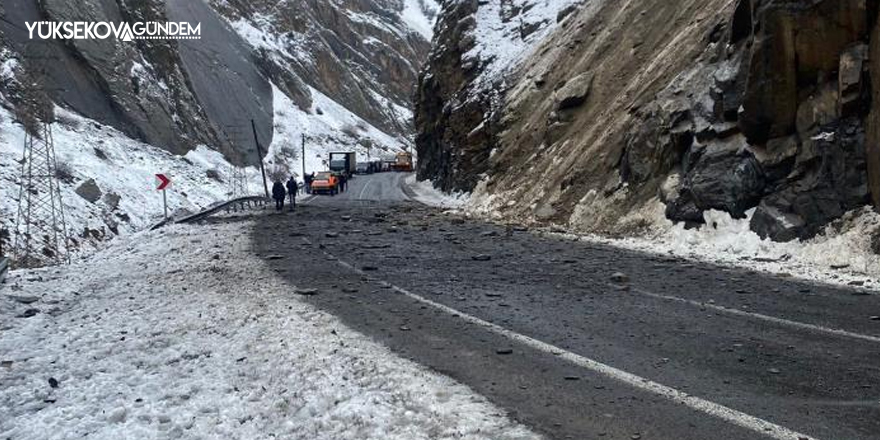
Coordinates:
(799, 355)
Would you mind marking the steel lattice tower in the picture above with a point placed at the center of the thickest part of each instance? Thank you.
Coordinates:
(41, 231)
(238, 182)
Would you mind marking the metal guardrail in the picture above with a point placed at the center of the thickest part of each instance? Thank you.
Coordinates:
(233, 204)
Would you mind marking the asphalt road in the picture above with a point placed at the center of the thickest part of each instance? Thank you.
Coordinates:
(540, 325)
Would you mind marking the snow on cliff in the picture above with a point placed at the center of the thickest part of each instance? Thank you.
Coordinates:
(505, 38)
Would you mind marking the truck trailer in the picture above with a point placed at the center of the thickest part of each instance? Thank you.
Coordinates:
(343, 163)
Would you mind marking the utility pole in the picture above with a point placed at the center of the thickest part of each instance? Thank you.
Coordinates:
(304, 155)
(260, 153)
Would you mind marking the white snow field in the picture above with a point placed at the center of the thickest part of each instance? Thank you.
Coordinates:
(183, 333)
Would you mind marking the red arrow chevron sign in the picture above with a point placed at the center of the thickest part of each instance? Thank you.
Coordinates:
(163, 182)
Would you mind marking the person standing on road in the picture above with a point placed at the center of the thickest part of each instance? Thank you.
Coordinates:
(308, 178)
(292, 189)
(278, 194)
(343, 182)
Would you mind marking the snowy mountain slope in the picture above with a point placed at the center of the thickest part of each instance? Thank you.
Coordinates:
(420, 15)
(505, 34)
(345, 85)
(364, 54)
(184, 333)
(124, 171)
(327, 127)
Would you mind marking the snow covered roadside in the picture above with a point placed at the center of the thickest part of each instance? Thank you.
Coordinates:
(427, 194)
(842, 255)
(184, 333)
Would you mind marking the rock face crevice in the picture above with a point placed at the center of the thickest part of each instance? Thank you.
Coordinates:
(703, 105)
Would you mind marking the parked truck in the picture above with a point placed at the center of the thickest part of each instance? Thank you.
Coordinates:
(404, 162)
(343, 163)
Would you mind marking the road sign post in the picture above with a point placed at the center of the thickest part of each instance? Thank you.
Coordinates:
(162, 185)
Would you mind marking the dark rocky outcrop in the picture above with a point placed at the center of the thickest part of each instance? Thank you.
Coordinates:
(767, 105)
(453, 141)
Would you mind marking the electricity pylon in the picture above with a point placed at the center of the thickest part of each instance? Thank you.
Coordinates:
(41, 231)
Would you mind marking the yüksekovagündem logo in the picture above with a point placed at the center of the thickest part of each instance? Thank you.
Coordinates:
(124, 31)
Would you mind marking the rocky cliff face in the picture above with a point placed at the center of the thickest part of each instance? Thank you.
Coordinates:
(701, 104)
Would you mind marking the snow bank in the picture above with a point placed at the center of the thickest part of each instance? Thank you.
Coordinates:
(841, 255)
(426, 193)
(183, 333)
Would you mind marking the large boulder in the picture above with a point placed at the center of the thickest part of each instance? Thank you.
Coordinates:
(828, 179)
(575, 92)
(89, 191)
(724, 178)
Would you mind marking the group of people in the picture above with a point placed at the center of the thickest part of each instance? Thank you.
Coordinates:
(280, 191)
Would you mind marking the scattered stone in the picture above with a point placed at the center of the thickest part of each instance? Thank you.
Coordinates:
(572, 378)
(504, 351)
(29, 313)
(874, 318)
(481, 257)
(575, 92)
(53, 382)
(305, 292)
(489, 234)
(273, 257)
(857, 283)
(404, 328)
(346, 218)
(351, 290)
(839, 266)
(331, 235)
(112, 200)
(619, 277)
(117, 415)
(369, 268)
(24, 299)
(89, 191)
(774, 371)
